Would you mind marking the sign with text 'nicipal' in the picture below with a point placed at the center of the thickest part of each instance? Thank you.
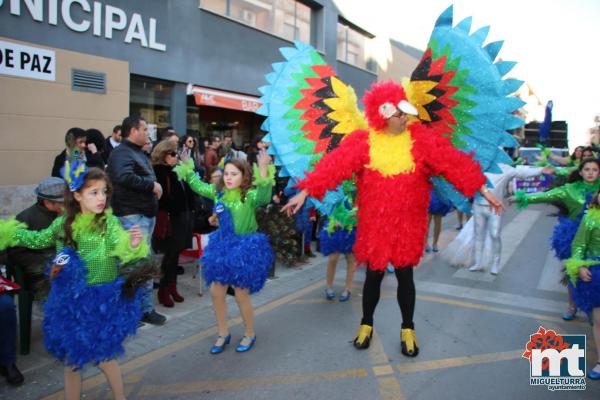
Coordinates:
(27, 61)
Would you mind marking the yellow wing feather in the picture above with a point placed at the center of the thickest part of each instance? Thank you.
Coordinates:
(345, 107)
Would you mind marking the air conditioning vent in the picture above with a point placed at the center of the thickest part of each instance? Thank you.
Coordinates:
(88, 81)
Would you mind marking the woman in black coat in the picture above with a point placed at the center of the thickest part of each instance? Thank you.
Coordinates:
(173, 230)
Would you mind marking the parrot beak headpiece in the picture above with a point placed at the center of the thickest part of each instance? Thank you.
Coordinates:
(384, 100)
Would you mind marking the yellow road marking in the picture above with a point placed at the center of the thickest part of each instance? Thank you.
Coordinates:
(379, 370)
(466, 304)
(421, 366)
(154, 355)
(389, 388)
(134, 378)
(246, 383)
(311, 301)
(376, 352)
(501, 310)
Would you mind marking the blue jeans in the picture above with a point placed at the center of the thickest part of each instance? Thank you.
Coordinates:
(146, 225)
(8, 332)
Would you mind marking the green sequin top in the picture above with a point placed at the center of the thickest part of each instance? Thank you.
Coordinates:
(587, 239)
(586, 243)
(572, 195)
(242, 212)
(100, 245)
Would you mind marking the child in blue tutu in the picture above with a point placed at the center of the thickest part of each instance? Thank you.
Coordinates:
(336, 238)
(236, 255)
(438, 208)
(583, 270)
(86, 317)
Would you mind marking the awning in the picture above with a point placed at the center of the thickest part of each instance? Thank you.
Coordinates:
(219, 98)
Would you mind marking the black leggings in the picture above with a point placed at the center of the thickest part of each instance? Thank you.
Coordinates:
(405, 295)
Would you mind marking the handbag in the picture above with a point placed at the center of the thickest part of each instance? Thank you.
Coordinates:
(163, 225)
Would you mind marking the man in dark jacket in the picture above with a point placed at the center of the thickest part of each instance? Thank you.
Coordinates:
(112, 142)
(37, 217)
(135, 193)
(77, 149)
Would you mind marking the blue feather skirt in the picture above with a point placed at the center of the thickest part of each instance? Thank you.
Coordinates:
(241, 261)
(438, 206)
(587, 294)
(563, 235)
(87, 324)
(340, 241)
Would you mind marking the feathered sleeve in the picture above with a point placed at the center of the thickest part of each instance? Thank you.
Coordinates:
(14, 233)
(185, 172)
(120, 242)
(264, 187)
(566, 171)
(338, 165)
(558, 194)
(460, 169)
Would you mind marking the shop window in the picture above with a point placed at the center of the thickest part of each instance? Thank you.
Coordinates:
(151, 99)
(205, 121)
(288, 19)
(352, 47)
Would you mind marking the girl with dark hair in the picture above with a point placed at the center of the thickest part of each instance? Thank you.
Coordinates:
(95, 148)
(573, 197)
(188, 148)
(236, 255)
(86, 318)
(583, 270)
(570, 161)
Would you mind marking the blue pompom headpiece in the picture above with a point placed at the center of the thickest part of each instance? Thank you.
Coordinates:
(74, 174)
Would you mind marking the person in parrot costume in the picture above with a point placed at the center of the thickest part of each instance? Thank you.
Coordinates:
(443, 127)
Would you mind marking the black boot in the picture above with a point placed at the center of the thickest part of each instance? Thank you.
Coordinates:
(13, 376)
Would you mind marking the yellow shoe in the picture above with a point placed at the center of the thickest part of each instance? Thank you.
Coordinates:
(363, 337)
(408, 341)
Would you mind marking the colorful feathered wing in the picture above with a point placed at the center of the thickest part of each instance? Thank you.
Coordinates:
(309, 110)
(460, 92)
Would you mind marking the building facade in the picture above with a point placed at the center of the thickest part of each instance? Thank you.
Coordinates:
(195, 65)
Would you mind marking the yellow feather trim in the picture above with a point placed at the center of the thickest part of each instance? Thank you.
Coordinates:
(391, 154)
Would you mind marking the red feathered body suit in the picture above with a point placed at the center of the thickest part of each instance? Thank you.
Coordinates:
(392, 207)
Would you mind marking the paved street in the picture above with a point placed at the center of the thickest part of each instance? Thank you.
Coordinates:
(472, 329)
